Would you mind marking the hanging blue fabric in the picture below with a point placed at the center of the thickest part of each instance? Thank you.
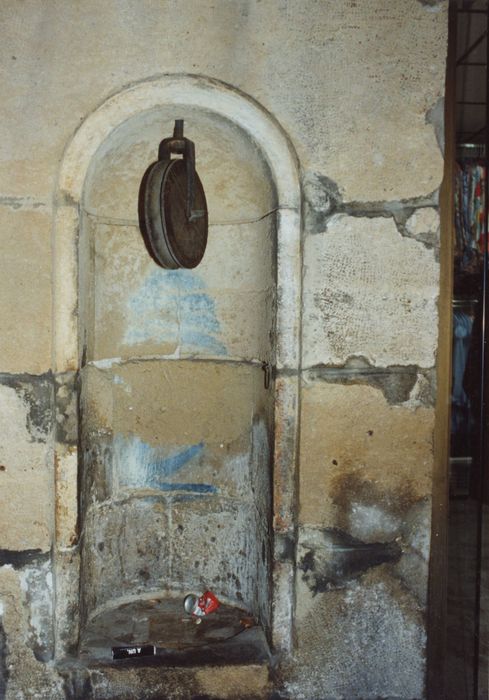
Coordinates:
(462, 331)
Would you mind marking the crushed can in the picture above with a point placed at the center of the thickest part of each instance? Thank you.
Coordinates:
(200, 606)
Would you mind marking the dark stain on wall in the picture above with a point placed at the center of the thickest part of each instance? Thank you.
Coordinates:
(350, 486)
(284, 547)
(321, 199)
(38, 393)
(395, 382)
(4, 673)
(341, 558)
(25, 557)
(77, 684)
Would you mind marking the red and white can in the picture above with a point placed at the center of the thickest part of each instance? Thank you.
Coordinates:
(200, 606)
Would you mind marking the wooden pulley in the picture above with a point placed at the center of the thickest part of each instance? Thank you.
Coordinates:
(172, 206)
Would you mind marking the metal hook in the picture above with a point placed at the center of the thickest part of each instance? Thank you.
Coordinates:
(178, 144)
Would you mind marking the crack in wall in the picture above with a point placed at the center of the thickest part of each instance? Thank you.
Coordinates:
(322, 201)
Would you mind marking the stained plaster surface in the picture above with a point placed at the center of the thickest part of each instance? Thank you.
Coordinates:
(368, 291)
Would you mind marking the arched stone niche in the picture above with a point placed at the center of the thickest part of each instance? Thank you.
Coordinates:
(183, 448)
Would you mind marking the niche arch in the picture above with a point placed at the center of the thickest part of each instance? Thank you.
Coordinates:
(210, 97)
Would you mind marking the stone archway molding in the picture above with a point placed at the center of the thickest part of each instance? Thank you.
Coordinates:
(263, 128)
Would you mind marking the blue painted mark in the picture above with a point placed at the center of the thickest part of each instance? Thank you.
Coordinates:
(172, 306)
(169, 465)
(140, 465)
(197, 306)
(195, 488)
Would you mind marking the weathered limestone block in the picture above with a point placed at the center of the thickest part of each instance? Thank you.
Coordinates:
(126, 682)
(364, 463)
(66, 617)
(26, 618)
(364, 640)
(178, 421)
(234, 682)
(25, 342)
(180, 403)
(222, 545)
(26, 469)
(36, 582)
(368, 291)
(368, 100)
(125, 550)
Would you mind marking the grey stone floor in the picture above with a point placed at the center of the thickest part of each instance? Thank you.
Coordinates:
(161, 622)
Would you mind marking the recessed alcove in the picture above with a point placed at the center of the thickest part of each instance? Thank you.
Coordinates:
(186, 447)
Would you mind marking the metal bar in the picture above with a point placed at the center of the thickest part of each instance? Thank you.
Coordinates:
(475, 133)
(483, 406)
(471, 48)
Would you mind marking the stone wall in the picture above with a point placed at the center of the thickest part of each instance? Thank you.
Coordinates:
(357, 89)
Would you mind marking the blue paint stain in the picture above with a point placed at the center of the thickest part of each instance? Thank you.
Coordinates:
(172, 306)
(167, 466)
(195, 488)
(141, 466)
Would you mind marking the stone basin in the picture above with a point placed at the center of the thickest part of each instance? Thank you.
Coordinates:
(161, 622)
